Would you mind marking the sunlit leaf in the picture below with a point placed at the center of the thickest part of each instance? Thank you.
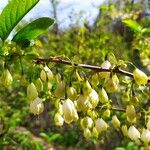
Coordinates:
(133, 25)
(12, 14)
(33, 29)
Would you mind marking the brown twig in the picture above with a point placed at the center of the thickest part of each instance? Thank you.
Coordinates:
(95, 68)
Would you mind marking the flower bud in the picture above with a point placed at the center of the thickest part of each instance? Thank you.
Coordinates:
(60, 90)
(46, 74)
(145, 136)
(106, 113)
(95, 79)
(148, 124)
(87, 133)
(60, 109)
(131, 113)
(6, 78)
(101, 125)
(72, 93)
(49, 74)
(94, 132)
(86, 122)
(59, 120)
(69, 111)
(140, 77)
(87, 87)
(92, 113)
(93, 98)
(39, 85)
(124, 130)
(32, 93)
(103, 97)
(36, 106)
(58, 106)
(115, 122)
(43, 76)
(112, 84)
(133, 133)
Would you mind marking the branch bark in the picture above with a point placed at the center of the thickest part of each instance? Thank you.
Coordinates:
(91, 67)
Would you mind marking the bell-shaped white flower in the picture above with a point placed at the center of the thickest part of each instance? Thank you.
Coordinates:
(93, 98)
(86, 122)
(72, 93)
(36, 106)
(83, 103)
(46, 74)
(32, 93)
(101, 125)
(69, 111)
(59, 120)
(145, 136)
(140, 77)
(133, 133)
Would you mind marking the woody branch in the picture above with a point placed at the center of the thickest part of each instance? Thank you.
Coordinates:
(91, 67)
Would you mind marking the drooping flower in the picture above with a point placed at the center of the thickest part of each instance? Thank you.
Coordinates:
(115, 121)
(103, 97)
(69, 111)
(39, 85)
(36, 106)
(112, 84)
(133, 133)
(124, 130)
(72, 93)
(145, 136)
(60, 90)
(32, 93)
(140, 77)
(101, 125)
(87, 133)
(46, 74)
(131, 113)
(59, 120)
(6, 78)
(93, 98)
(86, 122)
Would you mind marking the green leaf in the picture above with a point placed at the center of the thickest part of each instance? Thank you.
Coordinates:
(32, 55)
(111, 58)
(33, 29)
(133, 25)
(146, 30)
(12, 14)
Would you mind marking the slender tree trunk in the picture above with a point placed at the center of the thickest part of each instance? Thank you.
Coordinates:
(54, 7)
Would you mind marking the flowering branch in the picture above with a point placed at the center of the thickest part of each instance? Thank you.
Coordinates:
(95, 68)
